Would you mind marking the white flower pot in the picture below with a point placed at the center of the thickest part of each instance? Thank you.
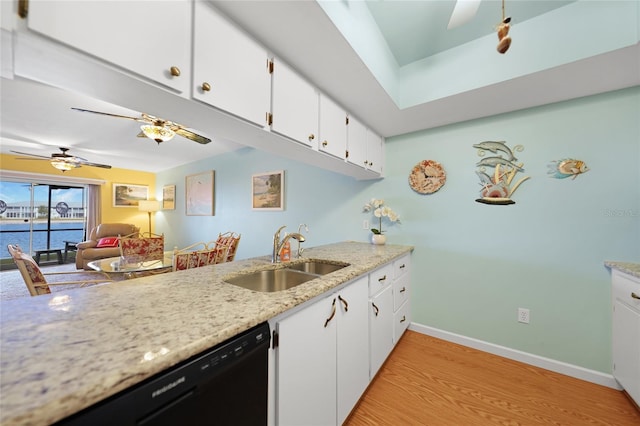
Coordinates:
(378, 239)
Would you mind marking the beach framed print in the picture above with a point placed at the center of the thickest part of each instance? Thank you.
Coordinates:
(267, 191)
(169, 197)
(125, 195)
(199, 196)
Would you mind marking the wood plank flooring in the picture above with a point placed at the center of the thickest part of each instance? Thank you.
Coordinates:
(428, 381)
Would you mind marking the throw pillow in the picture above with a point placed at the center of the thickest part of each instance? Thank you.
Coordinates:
(108, 242)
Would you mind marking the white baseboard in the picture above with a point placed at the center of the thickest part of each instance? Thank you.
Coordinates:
(571, 370)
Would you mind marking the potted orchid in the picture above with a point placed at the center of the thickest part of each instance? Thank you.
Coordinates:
(380, 211)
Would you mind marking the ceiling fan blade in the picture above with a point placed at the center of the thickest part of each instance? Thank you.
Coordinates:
(86, 163)
(463, 12)
(191, 135)
(36, 157)
(140, 119)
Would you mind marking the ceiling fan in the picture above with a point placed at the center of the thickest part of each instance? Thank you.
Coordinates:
(465, 10)
(158, 129)
(62, 161)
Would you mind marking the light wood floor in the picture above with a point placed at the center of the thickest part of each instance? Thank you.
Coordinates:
(428, 381)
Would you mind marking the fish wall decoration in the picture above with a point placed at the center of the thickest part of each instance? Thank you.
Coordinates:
(565, 168)
(496, 186)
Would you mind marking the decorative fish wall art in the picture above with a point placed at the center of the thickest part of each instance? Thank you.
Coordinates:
(497, 185)
(565, 168)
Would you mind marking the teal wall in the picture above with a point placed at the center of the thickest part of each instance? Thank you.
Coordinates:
(474, 264)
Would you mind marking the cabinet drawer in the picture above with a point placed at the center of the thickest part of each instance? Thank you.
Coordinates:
(401, 320)
(380, 279)
(625, 287)
(400, 291)
(401, 266)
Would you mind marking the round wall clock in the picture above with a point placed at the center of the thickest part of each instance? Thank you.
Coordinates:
(427, 177)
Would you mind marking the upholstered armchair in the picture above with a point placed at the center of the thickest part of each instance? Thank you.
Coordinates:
(102, 243)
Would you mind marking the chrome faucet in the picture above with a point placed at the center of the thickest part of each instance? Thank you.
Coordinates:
(278, 244)
(300, 250)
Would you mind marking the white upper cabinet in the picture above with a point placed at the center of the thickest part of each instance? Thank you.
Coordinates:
(365, 146)
(333, 128)
(357, 142)
(375, 152)
(151, 39)
(231, 70)
(294, 105)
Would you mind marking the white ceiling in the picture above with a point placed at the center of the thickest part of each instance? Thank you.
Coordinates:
(38, 119)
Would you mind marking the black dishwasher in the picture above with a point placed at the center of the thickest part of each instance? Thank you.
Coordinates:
(226, 385)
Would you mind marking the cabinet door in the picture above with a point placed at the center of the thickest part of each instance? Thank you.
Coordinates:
(333, 128)
(375, 153)
(306, 366)
(148, 38)
(230, 68)
(380, 328)
(353, 346)
(626, 332)
(294, 105)
(357, 142)
(626, 348)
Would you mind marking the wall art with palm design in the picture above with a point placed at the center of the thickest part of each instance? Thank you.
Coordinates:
(267, 191)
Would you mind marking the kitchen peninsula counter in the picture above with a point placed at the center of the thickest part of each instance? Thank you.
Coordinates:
(63, 352)
(630, 268)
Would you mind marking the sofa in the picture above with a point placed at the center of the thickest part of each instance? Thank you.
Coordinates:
(102, 243)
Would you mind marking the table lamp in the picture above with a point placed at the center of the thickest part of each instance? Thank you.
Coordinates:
(149, 206)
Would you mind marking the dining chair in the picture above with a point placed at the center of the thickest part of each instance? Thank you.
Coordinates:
(198, 255)
(141, 247)
(35, 279)
(230, 240)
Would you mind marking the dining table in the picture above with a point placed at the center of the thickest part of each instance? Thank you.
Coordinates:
(129, 269)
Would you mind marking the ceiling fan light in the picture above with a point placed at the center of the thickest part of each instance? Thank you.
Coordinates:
(63, 165)
(157, 133)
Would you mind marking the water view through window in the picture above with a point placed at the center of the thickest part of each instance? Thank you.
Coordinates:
(39, 216)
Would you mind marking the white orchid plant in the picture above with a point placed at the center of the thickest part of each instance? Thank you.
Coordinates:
(380, 210)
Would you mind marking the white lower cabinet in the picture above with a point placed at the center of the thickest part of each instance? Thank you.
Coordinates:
(389, 309)
(626, 332)
(322, 364)
(327, 352)
(380, 328)
(401, 305)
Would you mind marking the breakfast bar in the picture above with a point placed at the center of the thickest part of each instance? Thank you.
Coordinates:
(67, 351)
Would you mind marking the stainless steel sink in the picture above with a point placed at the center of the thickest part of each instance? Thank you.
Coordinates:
(271, 280)
(292, 275)
(317, 267)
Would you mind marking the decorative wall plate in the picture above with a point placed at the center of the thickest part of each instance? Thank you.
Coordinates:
(427, 177)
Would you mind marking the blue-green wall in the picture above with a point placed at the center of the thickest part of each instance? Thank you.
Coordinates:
(474, 264)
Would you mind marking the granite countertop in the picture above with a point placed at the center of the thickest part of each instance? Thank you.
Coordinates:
(630, 268)
(63, 352)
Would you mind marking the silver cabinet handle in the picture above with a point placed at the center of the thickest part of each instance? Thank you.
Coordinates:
(402, 290)
(404, 318)
(382, 279)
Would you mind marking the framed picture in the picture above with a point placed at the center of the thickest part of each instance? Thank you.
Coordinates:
(267, 191)
(125, 195)
(169, 197)
(199, 194)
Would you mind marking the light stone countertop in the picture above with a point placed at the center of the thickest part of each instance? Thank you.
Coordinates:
(64, 352)
(630, 268)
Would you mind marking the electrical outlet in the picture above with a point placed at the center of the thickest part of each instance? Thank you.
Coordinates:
(365, 224)
(523, 315)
